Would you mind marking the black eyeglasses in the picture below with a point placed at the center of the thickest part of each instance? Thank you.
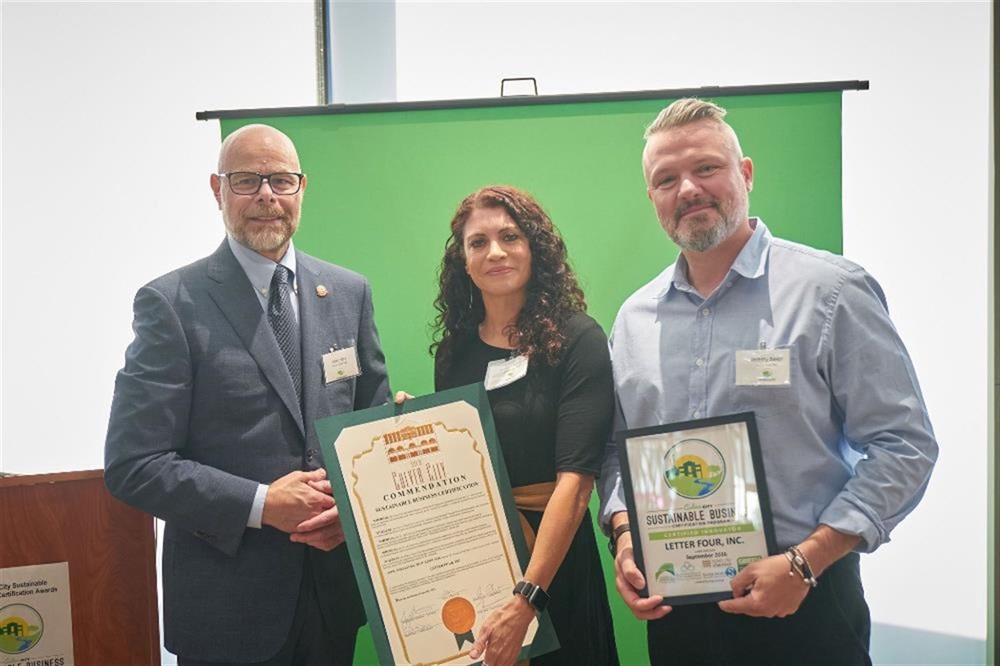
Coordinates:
(248, 182)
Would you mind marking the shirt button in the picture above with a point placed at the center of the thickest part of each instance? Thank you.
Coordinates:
(700, 362)
(705, 312)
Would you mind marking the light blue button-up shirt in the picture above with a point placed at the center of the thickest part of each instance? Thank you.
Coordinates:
(259, 270)
(847, 444)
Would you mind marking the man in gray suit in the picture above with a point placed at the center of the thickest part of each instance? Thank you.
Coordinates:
(235, 357)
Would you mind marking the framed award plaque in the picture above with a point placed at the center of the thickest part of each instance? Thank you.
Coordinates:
(697, 504)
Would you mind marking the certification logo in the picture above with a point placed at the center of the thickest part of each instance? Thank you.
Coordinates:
(744, 562)
(20, 628)
(730, 572)
(694, 468)
(665, 574)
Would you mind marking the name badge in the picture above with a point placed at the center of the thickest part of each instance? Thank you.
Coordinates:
(502, 373)
(763, 367)
(340, 364)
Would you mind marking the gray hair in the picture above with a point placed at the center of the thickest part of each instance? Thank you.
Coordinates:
(692, 110)
(684, 111)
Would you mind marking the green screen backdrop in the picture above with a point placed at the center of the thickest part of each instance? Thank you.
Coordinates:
(384, 184)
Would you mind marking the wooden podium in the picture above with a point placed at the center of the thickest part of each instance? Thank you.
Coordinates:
(111, 551)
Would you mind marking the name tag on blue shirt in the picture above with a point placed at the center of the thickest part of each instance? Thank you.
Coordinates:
(763, 367)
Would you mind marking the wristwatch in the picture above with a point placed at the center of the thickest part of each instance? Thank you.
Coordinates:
(536, 596)
(615, 535)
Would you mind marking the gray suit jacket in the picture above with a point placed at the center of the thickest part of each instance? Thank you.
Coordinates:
(203, 411)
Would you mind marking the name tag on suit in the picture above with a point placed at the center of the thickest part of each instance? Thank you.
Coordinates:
(340, 364)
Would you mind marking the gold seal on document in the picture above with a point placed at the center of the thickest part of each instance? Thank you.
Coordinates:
(458, 615)
(321, 291)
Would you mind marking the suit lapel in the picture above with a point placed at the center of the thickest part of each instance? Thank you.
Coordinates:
(233, 293)
(314, 311)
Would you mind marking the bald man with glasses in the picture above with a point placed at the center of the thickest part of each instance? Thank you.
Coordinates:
(211, 426)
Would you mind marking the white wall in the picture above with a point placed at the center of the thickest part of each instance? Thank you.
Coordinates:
(105, 186)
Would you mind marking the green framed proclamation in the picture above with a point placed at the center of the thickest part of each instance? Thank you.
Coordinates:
(430, 524)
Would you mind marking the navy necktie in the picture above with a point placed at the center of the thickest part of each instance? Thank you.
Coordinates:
(286, 330)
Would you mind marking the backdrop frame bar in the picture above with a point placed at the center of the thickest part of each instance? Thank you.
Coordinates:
(531, 100)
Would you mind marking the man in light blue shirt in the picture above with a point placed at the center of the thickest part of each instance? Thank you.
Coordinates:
(847, 444)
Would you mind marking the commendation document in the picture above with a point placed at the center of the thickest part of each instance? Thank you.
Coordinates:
(422, 492)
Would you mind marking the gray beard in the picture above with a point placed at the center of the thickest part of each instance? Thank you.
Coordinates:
(265, 240)
(703, 240)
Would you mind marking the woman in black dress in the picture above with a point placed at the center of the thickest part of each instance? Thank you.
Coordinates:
(507, 294)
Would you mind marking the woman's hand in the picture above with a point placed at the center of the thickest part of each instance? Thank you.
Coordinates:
(499, 641)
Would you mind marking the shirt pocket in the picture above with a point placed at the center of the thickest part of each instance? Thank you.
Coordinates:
(767, 401)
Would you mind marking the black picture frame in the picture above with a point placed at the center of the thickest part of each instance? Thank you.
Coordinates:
(693, 427)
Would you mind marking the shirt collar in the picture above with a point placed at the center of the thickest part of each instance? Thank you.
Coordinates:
(259, 269)
(750, 262)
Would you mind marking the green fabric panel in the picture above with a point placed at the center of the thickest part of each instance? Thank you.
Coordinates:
(382, 188)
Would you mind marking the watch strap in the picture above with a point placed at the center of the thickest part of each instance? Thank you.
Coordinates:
(534, 594)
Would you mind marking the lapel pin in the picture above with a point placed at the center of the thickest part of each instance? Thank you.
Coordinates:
(321, 291)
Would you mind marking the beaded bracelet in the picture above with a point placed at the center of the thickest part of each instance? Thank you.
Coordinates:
(800, 565)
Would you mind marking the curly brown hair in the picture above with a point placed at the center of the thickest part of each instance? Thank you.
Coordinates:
(552, 292)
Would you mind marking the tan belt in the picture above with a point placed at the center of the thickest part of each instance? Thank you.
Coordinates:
(534, 497)
(531, 498)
